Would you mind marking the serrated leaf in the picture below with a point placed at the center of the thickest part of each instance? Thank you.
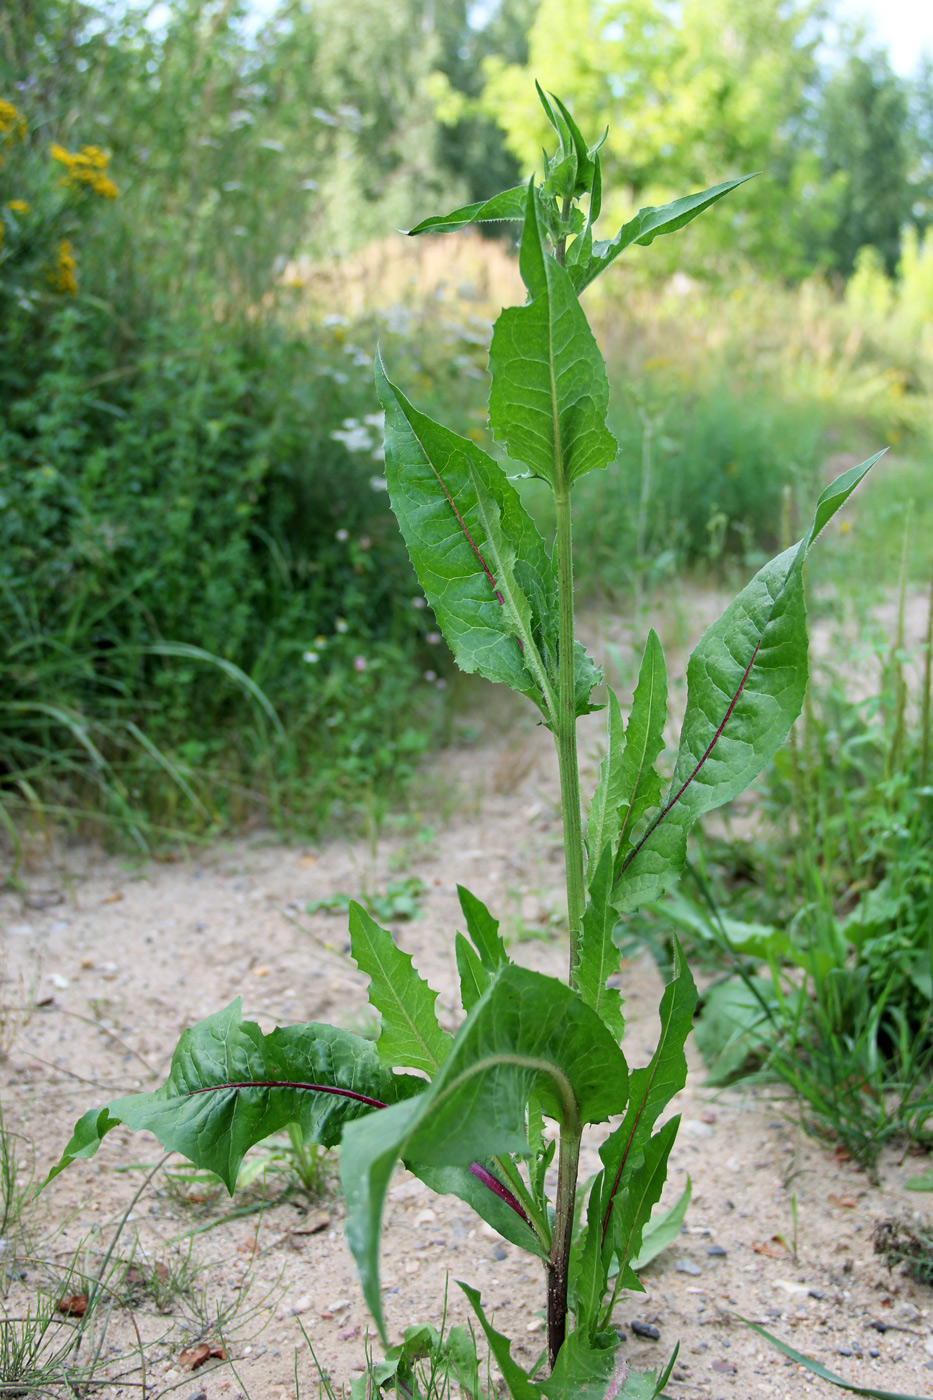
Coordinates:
(230, 1087)
(647, 225)
(529, 1034)
(662, 1229)
(644, 739)
(410, 1034)
(636, 1198)
(651, 1089)
(586, 1372)
(598, 956)
(602, 827)
(474, 979)
(465, 528)
(745, 686)
(550, 394)
(510, 204)
(586, 677)
(483, 930)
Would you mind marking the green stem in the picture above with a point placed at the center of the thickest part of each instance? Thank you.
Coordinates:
(565, 733)
(559, 1263)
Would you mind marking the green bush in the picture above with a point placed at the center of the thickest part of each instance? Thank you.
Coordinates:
(217, 487)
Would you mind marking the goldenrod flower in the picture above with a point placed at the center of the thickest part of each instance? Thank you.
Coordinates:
(85, 168)
(12, 123)
(62, 275)
(18, 206)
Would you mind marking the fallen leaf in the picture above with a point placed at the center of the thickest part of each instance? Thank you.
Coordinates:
(773, 1248)
(75, 1306)
(847, 1202)
(193, 1357)
(112, 898)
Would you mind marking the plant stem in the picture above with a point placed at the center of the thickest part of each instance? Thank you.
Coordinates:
(559, 1263)
(566, 734)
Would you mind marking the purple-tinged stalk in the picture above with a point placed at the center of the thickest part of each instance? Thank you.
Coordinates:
(480, 1172)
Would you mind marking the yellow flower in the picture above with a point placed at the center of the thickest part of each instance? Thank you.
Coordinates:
(85, 168)
(12, 124)
(18, 206)
(62, 275)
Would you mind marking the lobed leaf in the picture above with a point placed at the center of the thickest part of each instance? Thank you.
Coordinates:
(528, 1034)
(466, 529)
(648, 224)
(230, 1086)
(410, 1034)
(549, 395)
(745, 686)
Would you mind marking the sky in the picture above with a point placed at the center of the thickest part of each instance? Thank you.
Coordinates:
(903, 27)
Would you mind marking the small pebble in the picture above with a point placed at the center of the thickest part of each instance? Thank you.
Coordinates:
(694, 1128)
(880, 1326)
(500, 1253)
(816, 1293)
(874, 1352)
(198, 1395)
(844, 1351)
(687, 1266)
(716, 1251)
(725, 1368)
(645, 1329)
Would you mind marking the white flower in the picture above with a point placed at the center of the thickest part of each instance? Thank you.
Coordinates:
(342, 625)
(310, 656)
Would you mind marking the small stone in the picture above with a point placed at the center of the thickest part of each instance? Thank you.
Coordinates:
(645, 1329)
(880, 1326)
(844, 1351)
(716, 1251)
(412, 1266)
(687, 1266)
(425, 1217)
(725, 1368)
(301, 1306)
(20, 930)
(535, 1325)
(340, 1305)
(348, 1334)
(693, 1127)
(816, 1293)
(198, 1395)
(875, 1353)
(500, 1253)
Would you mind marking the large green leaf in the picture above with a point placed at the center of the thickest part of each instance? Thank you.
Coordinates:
(529, 1034)
(598, 956)
(550, 394)
(466, 531)
(745, 686)
(230, 1086)
(410, 1034)
(587, 264)
(637, 1196)
(510, 204)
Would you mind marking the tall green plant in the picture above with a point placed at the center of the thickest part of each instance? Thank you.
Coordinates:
(470, 1120)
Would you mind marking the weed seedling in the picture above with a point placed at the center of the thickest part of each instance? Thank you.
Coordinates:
(465, 1111)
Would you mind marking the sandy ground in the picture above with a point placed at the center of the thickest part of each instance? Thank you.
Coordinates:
(121, 956)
